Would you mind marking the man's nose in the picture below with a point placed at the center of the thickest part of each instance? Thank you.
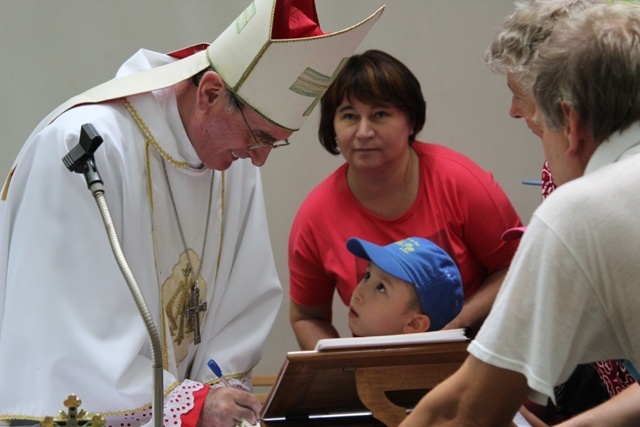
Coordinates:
(259, 156)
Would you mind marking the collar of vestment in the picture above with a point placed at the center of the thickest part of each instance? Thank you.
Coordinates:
(166, 99)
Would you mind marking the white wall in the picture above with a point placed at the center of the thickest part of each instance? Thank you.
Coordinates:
(51, 50)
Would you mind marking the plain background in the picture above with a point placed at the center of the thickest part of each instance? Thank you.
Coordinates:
(52, 50)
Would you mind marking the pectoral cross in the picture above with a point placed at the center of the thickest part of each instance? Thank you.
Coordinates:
(193, 311)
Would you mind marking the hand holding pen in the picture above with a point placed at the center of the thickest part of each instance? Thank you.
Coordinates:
(218, 373)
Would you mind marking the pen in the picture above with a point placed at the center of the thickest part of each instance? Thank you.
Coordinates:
(218, 372)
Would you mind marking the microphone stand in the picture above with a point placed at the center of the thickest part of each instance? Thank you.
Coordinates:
(80, 160)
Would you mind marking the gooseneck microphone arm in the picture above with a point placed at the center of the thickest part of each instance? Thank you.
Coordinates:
(80, 160)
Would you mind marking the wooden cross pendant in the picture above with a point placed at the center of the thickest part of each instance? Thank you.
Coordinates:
(193, 311)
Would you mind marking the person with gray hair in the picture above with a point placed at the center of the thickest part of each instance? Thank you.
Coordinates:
(515, 44)
(571, 293)
(511, 53)
(513, 49)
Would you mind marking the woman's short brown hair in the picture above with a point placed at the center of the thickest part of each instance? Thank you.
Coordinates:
(373, 77)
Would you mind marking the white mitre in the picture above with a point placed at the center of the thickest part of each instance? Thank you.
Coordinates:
(274, 57)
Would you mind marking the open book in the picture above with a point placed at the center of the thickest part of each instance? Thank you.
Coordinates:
(391, 340)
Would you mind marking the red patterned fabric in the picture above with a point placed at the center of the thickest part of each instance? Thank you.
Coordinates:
(547, 181)
(184, 404)
(614, 375)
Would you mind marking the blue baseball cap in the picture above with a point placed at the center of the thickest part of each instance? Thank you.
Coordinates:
(426, 266)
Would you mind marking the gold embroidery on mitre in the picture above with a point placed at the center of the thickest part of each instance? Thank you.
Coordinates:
(176, 291)
(313, 84)
(245, 17)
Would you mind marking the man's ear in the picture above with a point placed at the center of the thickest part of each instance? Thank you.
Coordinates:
(419, 322)
(574, 130)
(210, 89)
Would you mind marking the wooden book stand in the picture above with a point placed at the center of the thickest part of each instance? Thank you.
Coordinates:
(358, 386)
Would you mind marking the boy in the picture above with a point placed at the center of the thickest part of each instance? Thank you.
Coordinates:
(410, 286)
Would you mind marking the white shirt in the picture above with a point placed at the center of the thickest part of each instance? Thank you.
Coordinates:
(572, 292)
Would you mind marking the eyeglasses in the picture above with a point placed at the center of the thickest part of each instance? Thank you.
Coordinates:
(258, 144)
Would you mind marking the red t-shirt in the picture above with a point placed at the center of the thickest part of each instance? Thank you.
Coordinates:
(459, 207)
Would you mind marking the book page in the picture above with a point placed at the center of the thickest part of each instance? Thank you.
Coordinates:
(387, 340)
(520, 421)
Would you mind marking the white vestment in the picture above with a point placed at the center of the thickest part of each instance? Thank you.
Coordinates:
(68, 323)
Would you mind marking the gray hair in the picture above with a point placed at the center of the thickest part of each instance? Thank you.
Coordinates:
(592, 62)
(515, 43)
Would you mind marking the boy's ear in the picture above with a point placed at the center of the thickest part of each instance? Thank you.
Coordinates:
(419, 322)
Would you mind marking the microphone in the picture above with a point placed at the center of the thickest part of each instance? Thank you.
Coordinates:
(80, 160)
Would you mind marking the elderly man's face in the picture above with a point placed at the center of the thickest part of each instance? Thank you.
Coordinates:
(221, 133)
(566, 162)
(522, 105)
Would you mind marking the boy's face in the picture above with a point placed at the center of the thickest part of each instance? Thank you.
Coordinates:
(380, 305)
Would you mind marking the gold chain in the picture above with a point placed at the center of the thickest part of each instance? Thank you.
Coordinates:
(151, 141)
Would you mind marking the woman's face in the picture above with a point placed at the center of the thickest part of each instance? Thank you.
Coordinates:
(522, 105)
(371, 136)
